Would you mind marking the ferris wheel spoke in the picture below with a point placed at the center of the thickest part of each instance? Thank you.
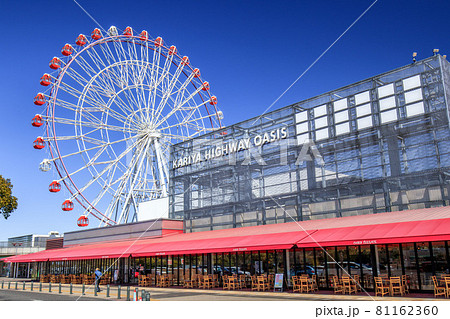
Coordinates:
(106, 169)
(91, 125)
(177, 108)
(166, 94)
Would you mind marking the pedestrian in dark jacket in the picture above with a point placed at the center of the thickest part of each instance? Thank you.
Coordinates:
(98, 275)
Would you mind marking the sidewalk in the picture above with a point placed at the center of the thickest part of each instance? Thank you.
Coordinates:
(127, 292)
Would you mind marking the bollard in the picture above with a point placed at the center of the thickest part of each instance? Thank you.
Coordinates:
(136, 294)
(70, 288)
(95, 291)
(148, 296)
(128, 293)
(9, 284)
(59, 288)
(31, 288)
(107, 291)
(49, 287)
(16, 285)
(143, 294)
(23, 285)
(40, 286)
(82, 289)
(118, 292)
(3, 283)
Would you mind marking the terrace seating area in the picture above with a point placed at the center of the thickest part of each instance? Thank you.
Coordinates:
(87, 279)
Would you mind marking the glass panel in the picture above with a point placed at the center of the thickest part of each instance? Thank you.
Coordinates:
(415, 109)
(440, 259)
(340, 105)
(388, 116)
(309, 267)
(321, 122)
(411, 82)
(301, 117)
(363, 110)
(412, 96)
(394, 260)
(381, 256)
(366, 261)
(409, 261)
(387, 103)
(322, 134)
(425, 265)
(342, 128)
(362, 97)
(385, 90)
(320, 110)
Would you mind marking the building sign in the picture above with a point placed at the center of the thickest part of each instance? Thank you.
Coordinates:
(231, 147)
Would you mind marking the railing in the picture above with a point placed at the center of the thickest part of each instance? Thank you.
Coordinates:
(118, 292)
(8, 244)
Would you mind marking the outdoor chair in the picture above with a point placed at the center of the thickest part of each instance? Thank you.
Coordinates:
(315, 287)
(226, 282)
(254, 283)
(396, 286)
(295, 284)
(216, 282)
(234, 283)
(438, 290)
(305, 285)
(207, 282)
(242, 282)
(405, 283)
(380, 287)
(337, 287)
(262, 283)
(348, 285)
(447, 287)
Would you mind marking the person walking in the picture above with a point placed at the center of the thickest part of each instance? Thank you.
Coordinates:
(98, 275)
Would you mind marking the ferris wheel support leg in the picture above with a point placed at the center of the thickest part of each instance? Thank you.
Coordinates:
(160, 167)
(125, 209)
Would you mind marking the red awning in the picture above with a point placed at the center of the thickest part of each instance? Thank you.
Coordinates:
(413, 231)
(221, 244)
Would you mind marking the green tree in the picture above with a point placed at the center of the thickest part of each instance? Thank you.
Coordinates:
(8, 202)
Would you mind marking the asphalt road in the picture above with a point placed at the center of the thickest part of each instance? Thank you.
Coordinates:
(18, 295)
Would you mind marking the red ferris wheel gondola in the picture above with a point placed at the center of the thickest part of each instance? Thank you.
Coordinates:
(143, 36)
(159, 42)
(37, 121)
(213, 100)
(55, 63)
(205, 86)
(172, 50)
(39, 143)
(83, 221)
(128, 32)
(185, 60)
(67, 205)
(81, 40)
(196, 73)
(96, 34)
(54, 187)
(39, 99)
(67, 50)
(46, 80)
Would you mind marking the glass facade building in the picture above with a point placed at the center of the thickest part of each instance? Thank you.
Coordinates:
(379, 145)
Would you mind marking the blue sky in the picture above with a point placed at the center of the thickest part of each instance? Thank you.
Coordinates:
(249, 51)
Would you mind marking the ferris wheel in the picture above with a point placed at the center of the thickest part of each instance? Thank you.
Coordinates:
(113, 106)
